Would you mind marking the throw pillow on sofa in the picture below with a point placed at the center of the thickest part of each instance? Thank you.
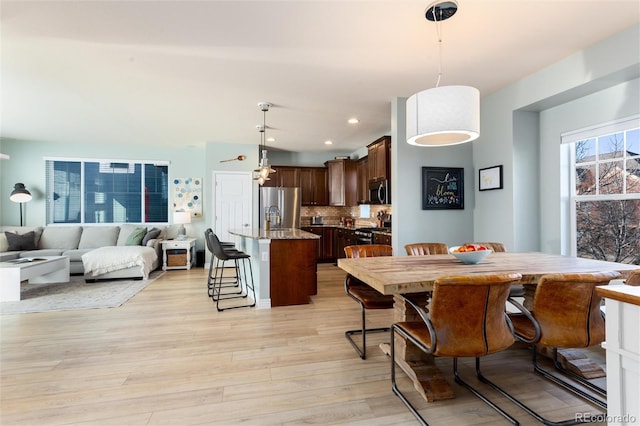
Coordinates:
(150, 235)
(135, 237)
(19, 242)
(21, 230)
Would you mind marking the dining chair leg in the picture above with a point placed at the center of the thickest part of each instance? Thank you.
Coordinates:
(568, 385)
(477, 393)
(394, 384)
(586, 418)
(350, 333)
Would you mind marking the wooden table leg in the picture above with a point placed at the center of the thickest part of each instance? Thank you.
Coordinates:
(420, 367)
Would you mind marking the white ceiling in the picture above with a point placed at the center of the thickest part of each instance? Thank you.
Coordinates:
(183, 73)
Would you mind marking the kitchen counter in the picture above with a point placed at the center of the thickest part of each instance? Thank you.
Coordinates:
(284, 264)
(274, 234)
(353, 228)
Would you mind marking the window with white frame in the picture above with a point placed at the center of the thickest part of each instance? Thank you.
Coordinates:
(606, 195)
(106, 191)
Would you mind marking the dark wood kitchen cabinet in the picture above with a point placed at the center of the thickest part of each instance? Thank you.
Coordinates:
(289, 176)
(285, 176)
(343, 182)
(362, 172)
(312, 182)
(382, 238)
(344, 237)
(313, 186)
(379, 153)
(326, 243)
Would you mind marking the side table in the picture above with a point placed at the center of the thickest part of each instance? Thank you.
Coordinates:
(178, 254)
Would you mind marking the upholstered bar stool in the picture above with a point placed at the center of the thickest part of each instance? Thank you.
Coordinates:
(366, 296)
(228, 282)
(245, 282)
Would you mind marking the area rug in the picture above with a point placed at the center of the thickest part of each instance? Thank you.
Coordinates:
(76, 294)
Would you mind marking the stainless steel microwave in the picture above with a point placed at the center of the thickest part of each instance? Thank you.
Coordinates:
(379, 192)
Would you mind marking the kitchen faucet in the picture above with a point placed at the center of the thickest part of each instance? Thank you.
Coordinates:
(277, 214)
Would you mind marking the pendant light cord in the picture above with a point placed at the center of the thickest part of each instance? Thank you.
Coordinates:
(439, 32)
(264, 129)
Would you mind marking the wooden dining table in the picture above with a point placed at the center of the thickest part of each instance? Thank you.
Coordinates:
(414, 276)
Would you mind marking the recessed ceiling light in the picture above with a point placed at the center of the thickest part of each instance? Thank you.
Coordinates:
(353, 121)
(271, 139)
(328, 142)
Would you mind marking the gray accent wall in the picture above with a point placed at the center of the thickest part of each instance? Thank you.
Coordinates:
(410, 223)
(521, 127)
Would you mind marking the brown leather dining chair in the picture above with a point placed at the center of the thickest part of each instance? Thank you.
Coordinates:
(466, 319)
(633, 278)
(565, 314)
(516, 290)
(366, 296)
(423, 249)
(496, 247)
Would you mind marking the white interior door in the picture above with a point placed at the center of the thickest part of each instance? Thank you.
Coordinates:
(232, 202)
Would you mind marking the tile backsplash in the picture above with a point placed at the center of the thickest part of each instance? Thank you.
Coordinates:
(332, 215)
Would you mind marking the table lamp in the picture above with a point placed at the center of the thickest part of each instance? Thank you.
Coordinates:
(181, 218)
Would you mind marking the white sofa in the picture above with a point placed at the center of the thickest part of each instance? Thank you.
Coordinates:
(77, 242)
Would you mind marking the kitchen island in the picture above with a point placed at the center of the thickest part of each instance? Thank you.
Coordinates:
(284, 264)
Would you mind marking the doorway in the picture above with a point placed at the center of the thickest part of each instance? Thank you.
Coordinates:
(232, 202)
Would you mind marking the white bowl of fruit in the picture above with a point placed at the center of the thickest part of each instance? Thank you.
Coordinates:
(470, 253)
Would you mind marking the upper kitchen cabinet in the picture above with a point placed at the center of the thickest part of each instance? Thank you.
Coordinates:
(284, 176)
(313, 186)
(379, 154)
(343, 182)
(362, 171)
(289, 177)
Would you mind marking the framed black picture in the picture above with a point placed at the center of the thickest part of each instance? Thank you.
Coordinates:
(490, 178)
(442, 188)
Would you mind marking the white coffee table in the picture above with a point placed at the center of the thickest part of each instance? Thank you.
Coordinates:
(43, 269)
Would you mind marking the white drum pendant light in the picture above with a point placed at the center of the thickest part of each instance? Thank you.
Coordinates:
(447, 115)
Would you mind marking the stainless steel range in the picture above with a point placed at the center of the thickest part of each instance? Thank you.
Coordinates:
(365, 235)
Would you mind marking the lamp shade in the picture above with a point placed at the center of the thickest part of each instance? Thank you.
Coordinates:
(20, 194)
(181, 217)
(441, 116)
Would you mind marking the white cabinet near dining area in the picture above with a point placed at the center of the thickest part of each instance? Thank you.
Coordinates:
(623, 353)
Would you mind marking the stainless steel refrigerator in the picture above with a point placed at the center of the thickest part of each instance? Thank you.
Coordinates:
(281, 206)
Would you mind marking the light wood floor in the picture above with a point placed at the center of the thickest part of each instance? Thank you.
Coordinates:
(167, 357)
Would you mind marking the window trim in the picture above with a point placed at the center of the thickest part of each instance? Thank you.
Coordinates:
(568, 140)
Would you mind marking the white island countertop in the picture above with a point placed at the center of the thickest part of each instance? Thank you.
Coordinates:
(274, 234)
